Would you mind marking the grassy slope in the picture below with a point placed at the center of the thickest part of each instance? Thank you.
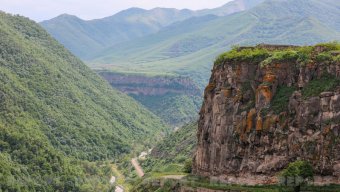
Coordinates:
(53, 106)
(173, 151)
(198, 41)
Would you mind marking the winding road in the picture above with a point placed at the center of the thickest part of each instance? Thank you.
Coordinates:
(137, 167)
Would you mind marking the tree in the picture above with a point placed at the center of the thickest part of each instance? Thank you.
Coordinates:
(188, 166)
(296, 174)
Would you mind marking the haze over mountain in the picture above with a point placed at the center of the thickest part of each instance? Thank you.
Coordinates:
(84, 38)
(188, 47)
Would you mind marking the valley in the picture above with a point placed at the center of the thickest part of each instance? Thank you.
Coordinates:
(174, 99)
(243, 97)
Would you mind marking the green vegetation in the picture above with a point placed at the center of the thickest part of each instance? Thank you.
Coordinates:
(254, 55)
(317, 86)
(188, 166)
(298, 169)
(330, 46)
(296, 174)
(152, 183)
(277, 56)
(55, 114)
(281, 98)
(174, 109)
(324, 57)
(173, 152)
(295, 55)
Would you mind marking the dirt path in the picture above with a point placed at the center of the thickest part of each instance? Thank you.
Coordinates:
(137, 167)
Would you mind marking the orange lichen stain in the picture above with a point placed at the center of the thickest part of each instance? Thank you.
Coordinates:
(250, 116)
(241, 129)
(210, 87)
(226, 92)
(267, 123)
(310, 65)
(238, 96)
(269, 77)
(295, 147)
(238, 71)
(259, 123)
(326, 130)
(265, 91)
(278, 65)
(270, 120)
(243, 137)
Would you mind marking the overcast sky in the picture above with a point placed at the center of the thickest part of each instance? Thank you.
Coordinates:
(92, 9)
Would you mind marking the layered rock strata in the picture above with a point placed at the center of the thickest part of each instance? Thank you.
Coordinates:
(258, 118)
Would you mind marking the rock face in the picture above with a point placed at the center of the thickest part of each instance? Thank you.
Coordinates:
(258, 118)
(149, 85)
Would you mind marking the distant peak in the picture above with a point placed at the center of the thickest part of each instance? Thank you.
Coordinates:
(132, 10)
(66, 16)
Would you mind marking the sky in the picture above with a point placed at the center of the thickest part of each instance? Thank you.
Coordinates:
(40, 10)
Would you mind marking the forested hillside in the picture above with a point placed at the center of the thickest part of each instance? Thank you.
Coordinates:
(55, 113)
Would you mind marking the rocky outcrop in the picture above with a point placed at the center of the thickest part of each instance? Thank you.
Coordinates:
(258, 118)
(151, 85)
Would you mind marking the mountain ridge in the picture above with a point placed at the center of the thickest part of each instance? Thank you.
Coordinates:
(273, 21)
(123, 26)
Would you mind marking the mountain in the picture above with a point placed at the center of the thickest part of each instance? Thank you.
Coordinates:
(187, 47)
(84, 38)
(268, 106)
(56, 114)
(230, 8)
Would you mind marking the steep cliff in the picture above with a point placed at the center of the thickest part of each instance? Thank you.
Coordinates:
(136, 84)
(174, 99)
(269, 105)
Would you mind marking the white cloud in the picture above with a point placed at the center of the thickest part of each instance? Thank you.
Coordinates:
(90, 9)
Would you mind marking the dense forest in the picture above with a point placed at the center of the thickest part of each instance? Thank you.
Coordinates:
(56, 115)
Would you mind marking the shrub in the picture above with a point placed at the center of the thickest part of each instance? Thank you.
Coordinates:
(297, 174)
(325, 56)
(188, 166)
(316, 86)
(287, 55)
(249, 54)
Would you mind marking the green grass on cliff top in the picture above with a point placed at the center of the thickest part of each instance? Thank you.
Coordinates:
(259, 54)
